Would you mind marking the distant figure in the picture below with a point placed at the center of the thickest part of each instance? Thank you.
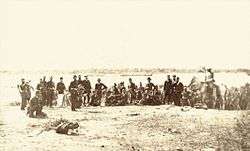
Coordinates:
(24, 92)
(167, 90)
(44, 90)
(87, 90)
(178, 89)
(150, 86)
(35, 106)
(39, 85)
(99, 87)
(210, 76)
(60, 87)
(115, 90)
(132, 90)
(74, 94)
(50, 93)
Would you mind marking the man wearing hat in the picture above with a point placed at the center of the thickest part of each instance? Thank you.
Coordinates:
(87, 89)
(150, 86)
(60, 87)
(24, 92)
(179, 87)
(167, 89)
(73, 91)
(132, 90)
(99, 87)
(51, 92)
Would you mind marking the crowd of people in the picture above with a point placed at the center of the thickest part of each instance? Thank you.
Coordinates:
(80, 93)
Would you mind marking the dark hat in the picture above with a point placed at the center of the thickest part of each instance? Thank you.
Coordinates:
(149, 78)
(86, 76)
(61, 77)
(98, 79)
(174, 75)
(74, 76)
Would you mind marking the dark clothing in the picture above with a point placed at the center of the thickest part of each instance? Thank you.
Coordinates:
(178, 89)
(74, 94)
(115, 91)
(50, 93)
(73, 84)
(150, 86)
(100, 86)
(39, 86)
(167, 91)
(87, 85)
(60, 87)
(168, 87)
(132, 88)
(80, 82)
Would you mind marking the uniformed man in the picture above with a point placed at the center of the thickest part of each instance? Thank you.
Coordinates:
(178, 89)
(210, 76)
(132, 90)
(60, 87)
(99, 87)
(35, 105)
(50, 93)
(39, 85)
(23, 90)
(167, 89)
(44, 90)
(73, 91)
(115, 89)
(121, 87)
(87, 89)
(80, 81)
(150, 86)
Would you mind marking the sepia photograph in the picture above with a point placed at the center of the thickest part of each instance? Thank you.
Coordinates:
(124, 75)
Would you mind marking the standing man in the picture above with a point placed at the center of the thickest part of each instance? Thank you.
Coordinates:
(178, 92)
(99, 87)
(44, 90)
(87, 89)
(73, 91)
(60, 87)
(51, 93)
(167, 90)
(23, 90)
(150, 86)
(131, 89)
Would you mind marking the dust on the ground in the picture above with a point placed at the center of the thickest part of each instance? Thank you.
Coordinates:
(126, 128)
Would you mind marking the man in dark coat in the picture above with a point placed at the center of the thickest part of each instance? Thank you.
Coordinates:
(99, 87)
(167, 90)
(60, 87)
(74, 94)
(178, 89)
(150, 86)
(87, 90)
(132, 90)
(51, 92)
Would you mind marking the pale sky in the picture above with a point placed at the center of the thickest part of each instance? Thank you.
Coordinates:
(76, 34)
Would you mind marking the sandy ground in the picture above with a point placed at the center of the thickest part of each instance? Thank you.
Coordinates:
(118, 128)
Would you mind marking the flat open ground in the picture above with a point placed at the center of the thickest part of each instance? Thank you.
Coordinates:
(125, 128)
